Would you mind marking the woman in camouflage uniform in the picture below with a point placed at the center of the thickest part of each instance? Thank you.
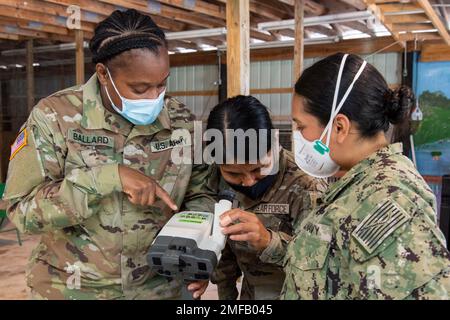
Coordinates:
(92, 171)
(374, 234)
(270, 201)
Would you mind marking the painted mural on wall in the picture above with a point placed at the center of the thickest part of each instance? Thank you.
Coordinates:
(432, 138)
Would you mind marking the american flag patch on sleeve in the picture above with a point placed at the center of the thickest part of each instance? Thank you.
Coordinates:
(19, 143)
(379, 224)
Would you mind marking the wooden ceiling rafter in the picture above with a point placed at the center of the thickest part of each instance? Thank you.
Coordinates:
(409, 21)
(44, 20)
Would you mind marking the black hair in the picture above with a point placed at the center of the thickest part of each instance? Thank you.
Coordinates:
(243, 112)
(371, 104)
(123, 31)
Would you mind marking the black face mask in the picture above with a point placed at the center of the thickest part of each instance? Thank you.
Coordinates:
(258, 189)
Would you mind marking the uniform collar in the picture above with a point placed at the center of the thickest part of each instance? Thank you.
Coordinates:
(96, 116)
(357, 172)
(246, 202)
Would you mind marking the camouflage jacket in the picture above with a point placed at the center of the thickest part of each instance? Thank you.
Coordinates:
(291, 197)
(373, 237)
(63, 183)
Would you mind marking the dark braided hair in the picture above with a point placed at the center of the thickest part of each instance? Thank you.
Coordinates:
(123, 31)
(242, 112)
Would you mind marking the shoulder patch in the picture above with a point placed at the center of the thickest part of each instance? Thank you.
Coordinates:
(385, 218)
(19, 143)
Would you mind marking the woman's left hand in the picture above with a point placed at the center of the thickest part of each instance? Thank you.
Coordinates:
(249, 228)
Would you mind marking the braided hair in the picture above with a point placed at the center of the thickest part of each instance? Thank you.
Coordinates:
(123, 31)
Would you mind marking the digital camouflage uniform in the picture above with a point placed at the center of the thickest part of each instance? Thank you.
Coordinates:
(291, 197)
(373, 237)
(64, 184)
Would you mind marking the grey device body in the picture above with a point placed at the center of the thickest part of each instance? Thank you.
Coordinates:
(190, 245)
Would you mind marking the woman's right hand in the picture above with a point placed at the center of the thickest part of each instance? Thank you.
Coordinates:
(141, 189)
(248, 228)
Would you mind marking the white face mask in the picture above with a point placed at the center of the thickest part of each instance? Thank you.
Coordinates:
(313, 157)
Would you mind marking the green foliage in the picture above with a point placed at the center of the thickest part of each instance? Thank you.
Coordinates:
(436, 122)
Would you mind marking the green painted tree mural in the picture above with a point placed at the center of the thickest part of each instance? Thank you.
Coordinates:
(436, 118)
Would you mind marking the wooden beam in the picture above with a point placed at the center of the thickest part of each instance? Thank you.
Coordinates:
(173, 44)
(10, 11)
(339, 30)
(311, 6)
(426, 6)
(105, 9)
(7, 28)
(197, 6)
(194, 58)
(266, 11)
(169, 12)
(285, 32)
(272, 90)
(255, 34)
(409, 18)
(31, 33)
(49, 17)
(322, 30)
(238, 47)
(79, 56)
(7, 36)
(50, 8)
(382, 1)
(358, 4)
(30, 25)
(445, 14)
(434, 52)
(411, 26)
(299, 43)
(213, 42)
(355, 46)
(30, 75)
(356, 25)
(193, 93)
(377, 12)
(399, 7)
(409, 36)
(258, 9)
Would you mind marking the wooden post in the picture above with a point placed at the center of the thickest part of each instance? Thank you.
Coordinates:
(79, 56)
(298, 48)
(30, 76)
(238, 47)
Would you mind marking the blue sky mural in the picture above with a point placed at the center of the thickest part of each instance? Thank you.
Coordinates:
(434, 76)
(432, 140)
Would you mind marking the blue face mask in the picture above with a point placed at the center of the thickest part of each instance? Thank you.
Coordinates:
(139, 112)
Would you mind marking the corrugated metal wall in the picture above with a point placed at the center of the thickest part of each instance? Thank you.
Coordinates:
(278, 74)
(194, 85)
(14, 100)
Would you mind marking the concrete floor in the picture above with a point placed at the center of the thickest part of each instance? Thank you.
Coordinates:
(13, 260)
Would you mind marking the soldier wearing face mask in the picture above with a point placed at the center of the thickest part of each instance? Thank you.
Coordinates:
(273, 195)
(91, 171)
(374, 233)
